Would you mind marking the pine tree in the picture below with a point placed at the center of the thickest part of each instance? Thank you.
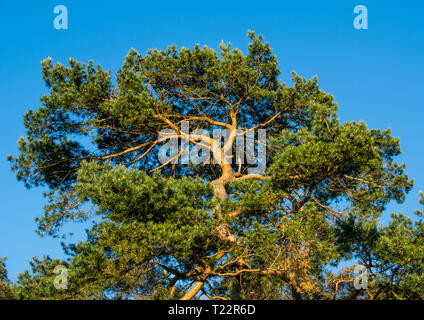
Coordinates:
(219, 230)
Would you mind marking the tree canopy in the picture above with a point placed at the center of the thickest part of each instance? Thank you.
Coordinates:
(220, 230)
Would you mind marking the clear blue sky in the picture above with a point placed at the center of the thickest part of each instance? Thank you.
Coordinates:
(375, 74)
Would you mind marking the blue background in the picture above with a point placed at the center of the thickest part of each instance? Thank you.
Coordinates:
(375, 74)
